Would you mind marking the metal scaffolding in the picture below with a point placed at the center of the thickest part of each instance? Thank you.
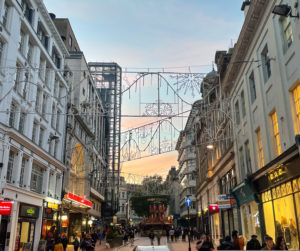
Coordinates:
(108, 81)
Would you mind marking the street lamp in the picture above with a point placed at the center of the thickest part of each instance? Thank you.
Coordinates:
(210, 146)
(284, 10)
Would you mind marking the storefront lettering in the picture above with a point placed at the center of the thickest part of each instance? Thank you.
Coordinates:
(5, 208)
(278, 173)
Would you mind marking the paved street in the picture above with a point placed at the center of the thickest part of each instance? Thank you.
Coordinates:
(144, 241)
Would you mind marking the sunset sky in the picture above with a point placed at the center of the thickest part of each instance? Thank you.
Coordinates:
(152, 33)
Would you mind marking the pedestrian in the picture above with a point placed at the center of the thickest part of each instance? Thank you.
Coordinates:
(253, 244)
(131, 236)
(204, 244)
(183, 234)
(238, 241)
(50, 239)
(64, 241)
(99, 237)
(226, 244)
(158, 236)
(172, 234)
(269, 243)
(280, 244)
(58, 245)
(167, 234)
(76, 242)
(151, 236)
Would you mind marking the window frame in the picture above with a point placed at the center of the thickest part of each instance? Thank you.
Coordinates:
(275, 134)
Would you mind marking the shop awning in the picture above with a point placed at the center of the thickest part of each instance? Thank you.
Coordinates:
(78, 200)
(243, 193)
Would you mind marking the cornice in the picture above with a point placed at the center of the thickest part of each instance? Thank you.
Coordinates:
(254, 17)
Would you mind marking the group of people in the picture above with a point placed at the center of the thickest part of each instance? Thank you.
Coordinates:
(84, 241)
(174, 234)
(128, 234)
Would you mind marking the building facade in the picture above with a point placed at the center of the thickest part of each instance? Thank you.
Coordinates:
(265, 105)
(86, 158)
(187, 170)
(32, 81)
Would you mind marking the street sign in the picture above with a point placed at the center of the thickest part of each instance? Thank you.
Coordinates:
(188, 202)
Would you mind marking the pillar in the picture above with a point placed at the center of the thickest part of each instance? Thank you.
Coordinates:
(17, 169)
(27, 173)
(12, 228)
(6, 149)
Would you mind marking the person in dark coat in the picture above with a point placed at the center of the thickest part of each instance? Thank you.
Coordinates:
(280, 244)
(151, 236)
(64, 241)
(253, 244)
(226, 244)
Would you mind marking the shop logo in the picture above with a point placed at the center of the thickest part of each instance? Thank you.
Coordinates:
(30, 211)
(278, 173)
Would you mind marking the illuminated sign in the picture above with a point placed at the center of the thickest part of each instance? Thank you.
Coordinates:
(29, 211)
(78, 199)
(278, 173)
(53, 205)
(213, 208)
(5, 208)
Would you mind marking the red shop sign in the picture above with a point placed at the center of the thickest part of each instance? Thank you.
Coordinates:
(213, 208)
(5, 208)
(78, 199)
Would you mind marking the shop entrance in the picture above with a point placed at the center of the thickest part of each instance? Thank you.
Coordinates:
(25, 233)
(3, 231)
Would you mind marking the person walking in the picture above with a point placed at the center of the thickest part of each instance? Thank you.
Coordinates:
(151, 236)
(204, 244)
(58, 245)
(253, 244)
(280, 244)
(64, 241)
(226, 244)
(158, 236)
(269, 243)
(172, 234)
(76, 242)
(167, 234)
(131, 236)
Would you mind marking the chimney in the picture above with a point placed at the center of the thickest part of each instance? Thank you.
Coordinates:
(245, 7)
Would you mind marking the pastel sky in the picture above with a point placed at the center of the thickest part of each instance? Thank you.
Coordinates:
(152, 33)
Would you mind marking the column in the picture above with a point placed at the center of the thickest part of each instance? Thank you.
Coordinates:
(27, 173)
(58, 187)
(38, 227)
(6, 149)
(17, 168)
(12, 228)
(46, 182)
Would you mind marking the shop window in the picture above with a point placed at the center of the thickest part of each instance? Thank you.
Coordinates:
(250, 220)
(285, 221)
(259, 149)
(296, 104)
(276, 136)
(269, 219)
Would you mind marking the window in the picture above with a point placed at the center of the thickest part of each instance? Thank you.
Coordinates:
(1, 51)
(10, 166)
(36, 181)
(22, 42)
(41, 138)
(252, 87)
(56, 142)
(28, 11)
(34, 131)
(266, 63)
(38, 100)
(70, 41)
(30, 53)
(12, 115)
(53, 116)
(5, 15)
(259, 148)
(237, 112)
(296, 97)
(248, 157)
(44, 107)
(243, 104)
(23, 164)
(242, 163)
(22, 122)
(287, 33)
(58, 119)
(42, 35)
(55, 58)
(123, 195)
(276, 136)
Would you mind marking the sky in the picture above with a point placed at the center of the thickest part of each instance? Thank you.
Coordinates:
(152, 33)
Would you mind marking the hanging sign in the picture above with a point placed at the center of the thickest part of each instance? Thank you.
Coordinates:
(78, 199)
(213, 208)
(53, 205)
(5, 207)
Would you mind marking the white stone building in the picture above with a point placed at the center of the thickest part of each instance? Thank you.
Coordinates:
(32, 134)
(265, 91)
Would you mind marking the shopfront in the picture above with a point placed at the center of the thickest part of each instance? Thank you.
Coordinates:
(50, 217)
(5, 211)
(25, 233)
(247, 202)
(279, 191)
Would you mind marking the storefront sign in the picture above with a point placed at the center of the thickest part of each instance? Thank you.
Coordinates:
(53, 205)
(278, 173)
(244, 193)
(5, 207)
(29, 211)
(78, 199)
(213, 208)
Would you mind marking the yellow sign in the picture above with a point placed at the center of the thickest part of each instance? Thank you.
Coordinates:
(277, 173)
(30, 211)
(53, 205)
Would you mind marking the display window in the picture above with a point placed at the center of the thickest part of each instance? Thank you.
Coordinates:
(250, 220)
(281, 206)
